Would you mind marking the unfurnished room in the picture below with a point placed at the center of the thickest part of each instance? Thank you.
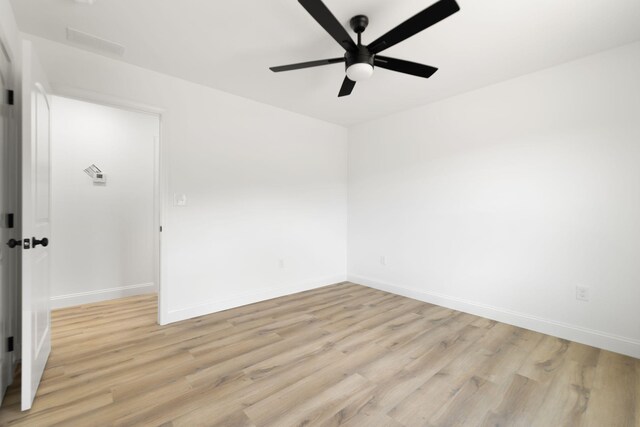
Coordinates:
(320, 213)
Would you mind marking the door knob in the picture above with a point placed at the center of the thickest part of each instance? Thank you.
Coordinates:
(35, 242)
(12, 243)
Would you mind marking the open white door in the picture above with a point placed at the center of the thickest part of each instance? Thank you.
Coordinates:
(36, 311)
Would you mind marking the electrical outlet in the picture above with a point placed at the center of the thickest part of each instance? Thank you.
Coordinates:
(281, 263)
(383, 260)
(582, 293)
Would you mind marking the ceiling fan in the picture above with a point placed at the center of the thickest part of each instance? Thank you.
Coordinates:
(360, 59)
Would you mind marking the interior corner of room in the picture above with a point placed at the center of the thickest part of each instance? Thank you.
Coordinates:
(512, 196)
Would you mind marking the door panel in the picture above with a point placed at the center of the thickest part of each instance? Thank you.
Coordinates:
(36, 312)
(40, 260)
(42, 155)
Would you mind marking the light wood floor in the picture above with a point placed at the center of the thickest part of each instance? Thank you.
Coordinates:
(339, 355)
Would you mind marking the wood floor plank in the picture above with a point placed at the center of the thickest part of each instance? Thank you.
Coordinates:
(509, 355)
(324, 405)
(545, 360)
(216, 365)
(468, 404)
(567, 396)
(368, 420)
(612, 400)
(340, 355)
(121, 409)
(518, 404)
(443, 385)
(211, 417)
(399, 381)
(280, 403)
(63, 412)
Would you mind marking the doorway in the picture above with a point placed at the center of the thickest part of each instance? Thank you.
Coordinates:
(105, 220)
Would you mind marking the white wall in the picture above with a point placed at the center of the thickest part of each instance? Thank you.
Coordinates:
(263, 185)
(103, 234)
(501, 201)
(9, 29)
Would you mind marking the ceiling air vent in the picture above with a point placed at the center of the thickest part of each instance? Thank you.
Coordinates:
(94, 42)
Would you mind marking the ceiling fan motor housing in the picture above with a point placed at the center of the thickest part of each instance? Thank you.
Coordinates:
(361, 56)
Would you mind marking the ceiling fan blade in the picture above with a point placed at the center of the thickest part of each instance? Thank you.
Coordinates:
(309, 64)
(402, 66)
(325, 18)
(347, 87)
(412, 26)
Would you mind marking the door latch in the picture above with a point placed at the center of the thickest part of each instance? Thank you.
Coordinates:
(26, 243)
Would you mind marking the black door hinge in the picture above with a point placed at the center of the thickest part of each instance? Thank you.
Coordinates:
(10, 344)
(161, 229)
(10, 99)
(6, 220)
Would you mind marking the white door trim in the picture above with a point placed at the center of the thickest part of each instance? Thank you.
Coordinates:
(9, 308)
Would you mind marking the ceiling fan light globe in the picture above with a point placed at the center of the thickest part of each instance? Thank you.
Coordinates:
(359, 72)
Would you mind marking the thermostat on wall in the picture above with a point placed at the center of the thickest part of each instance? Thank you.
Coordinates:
(96, 174)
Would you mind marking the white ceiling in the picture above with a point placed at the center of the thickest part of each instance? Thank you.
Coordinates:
(230, 45)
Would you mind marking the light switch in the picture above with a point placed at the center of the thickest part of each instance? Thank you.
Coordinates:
(180, 200)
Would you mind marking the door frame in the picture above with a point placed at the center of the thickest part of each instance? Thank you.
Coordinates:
(160, 181)
(14, 144)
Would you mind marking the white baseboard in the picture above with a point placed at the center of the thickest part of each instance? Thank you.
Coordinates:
(604, 340)
(70, 300)
(214, 306)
